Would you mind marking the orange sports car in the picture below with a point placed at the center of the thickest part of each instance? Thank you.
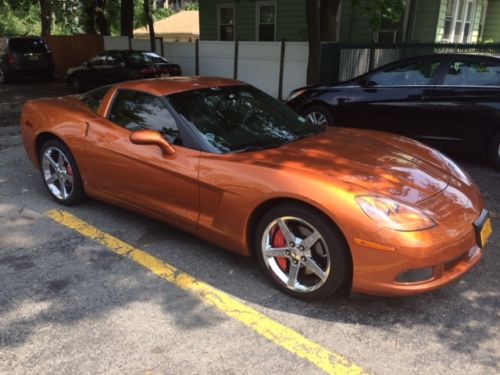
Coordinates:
(321, 209)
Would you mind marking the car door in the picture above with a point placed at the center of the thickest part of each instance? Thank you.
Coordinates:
(465, 105)
(141, 175)
(390, 98)
(115, 66)
(93, 72)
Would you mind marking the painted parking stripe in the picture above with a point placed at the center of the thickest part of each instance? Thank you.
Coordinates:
(275, 332)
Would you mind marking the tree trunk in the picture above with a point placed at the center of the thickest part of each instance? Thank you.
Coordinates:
(148, 5)
(314, 37)
(46, 17)
(127, 18)
(100, 17)
(328, 20)
(88, 16)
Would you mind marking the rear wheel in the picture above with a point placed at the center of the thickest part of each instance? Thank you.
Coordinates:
(318, 115)
(301, 251)
(494, 150)
(60, 173)
(75, 84)
(3, 76)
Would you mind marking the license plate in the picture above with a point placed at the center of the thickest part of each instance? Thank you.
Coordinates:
(483, 228)
(33, 56)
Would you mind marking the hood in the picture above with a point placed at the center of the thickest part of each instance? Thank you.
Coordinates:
(381, 163)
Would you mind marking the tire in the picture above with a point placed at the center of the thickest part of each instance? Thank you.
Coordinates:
(494, 150)
(322, 266)
(75, 84)
(318, 114)
(59, 169)
(3, 77)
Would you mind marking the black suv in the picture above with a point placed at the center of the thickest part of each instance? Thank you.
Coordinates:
(20, 57)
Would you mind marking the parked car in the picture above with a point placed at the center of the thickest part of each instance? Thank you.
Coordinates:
(116, 66)
(320, 208)
(451, 101)
(21, 57)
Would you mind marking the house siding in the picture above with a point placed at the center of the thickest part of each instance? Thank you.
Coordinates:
(290, 19)
(492, 23)
(425, 23)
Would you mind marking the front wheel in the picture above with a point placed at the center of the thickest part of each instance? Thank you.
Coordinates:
(61, 174)
(75, 84)
(318, 115)
(302, 252)
(494, 150)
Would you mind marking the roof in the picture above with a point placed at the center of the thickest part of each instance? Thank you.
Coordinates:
(184, 22)
(172, 85)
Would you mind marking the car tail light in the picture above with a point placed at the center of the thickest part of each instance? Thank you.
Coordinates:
(148, 70)
(11, 59)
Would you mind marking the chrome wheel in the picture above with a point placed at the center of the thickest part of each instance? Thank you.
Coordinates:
(296, 253)
(317, 118)
(57, 173)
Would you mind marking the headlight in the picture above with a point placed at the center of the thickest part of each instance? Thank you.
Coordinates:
(394, 215)
(294, 94)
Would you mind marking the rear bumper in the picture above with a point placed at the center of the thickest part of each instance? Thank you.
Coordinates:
(29, 70)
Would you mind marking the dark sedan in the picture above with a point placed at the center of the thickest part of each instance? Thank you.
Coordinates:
(450, 101)
(116, 66)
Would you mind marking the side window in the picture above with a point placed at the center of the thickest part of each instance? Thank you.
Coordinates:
(97, 60)
(472, 74)
(414, 74)
(137, 110)
(93, 99)
(114, 59)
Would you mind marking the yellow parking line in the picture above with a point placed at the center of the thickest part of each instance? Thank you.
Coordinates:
(275, 332)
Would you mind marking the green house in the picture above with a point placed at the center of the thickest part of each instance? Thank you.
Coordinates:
(454, 21)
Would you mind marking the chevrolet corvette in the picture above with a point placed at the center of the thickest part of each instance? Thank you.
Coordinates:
(322, 209)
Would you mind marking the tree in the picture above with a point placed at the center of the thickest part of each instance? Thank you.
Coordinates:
(148, 14)
(381, 11)
(321, 16)
(127, 18)
(314, 38)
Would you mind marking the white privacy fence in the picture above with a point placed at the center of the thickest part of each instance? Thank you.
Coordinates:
(274, 67)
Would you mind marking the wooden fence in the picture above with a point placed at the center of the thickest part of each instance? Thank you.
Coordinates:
(72, 50)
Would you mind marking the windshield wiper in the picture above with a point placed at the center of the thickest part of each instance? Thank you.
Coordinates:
(256, 148)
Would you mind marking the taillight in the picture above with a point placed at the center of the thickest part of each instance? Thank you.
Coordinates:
(11, 59)
(147, 70)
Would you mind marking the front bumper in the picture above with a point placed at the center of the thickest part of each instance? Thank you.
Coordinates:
(427, 260)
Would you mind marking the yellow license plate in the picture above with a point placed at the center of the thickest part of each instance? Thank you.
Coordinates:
(486, 231)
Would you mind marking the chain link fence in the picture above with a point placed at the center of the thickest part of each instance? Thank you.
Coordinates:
(343, 61)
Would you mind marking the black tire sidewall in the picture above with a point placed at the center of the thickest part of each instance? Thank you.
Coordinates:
(493, 150)
(75, 84)
(321, 109)
(337, 248)
(78, 194)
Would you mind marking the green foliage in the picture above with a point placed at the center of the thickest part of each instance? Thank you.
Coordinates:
(19, 21)
(382, 11)
(193, 5)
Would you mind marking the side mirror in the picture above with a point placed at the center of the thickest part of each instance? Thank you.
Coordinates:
(364, 82)
(152, 137)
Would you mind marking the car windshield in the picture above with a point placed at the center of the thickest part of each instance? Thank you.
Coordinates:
(145, 58)
(27, 45)
(240, 118)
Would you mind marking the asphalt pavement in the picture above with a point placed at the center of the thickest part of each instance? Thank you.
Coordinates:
(69, 303)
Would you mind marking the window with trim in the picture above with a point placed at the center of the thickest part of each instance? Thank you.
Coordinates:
(93, 99)
(411, 74)
(136, 110)
(468, 73)
(266, 21)
(459, 21)
(225, 21)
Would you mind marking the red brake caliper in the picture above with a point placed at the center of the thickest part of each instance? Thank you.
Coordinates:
(279, 241)
(69, 171)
